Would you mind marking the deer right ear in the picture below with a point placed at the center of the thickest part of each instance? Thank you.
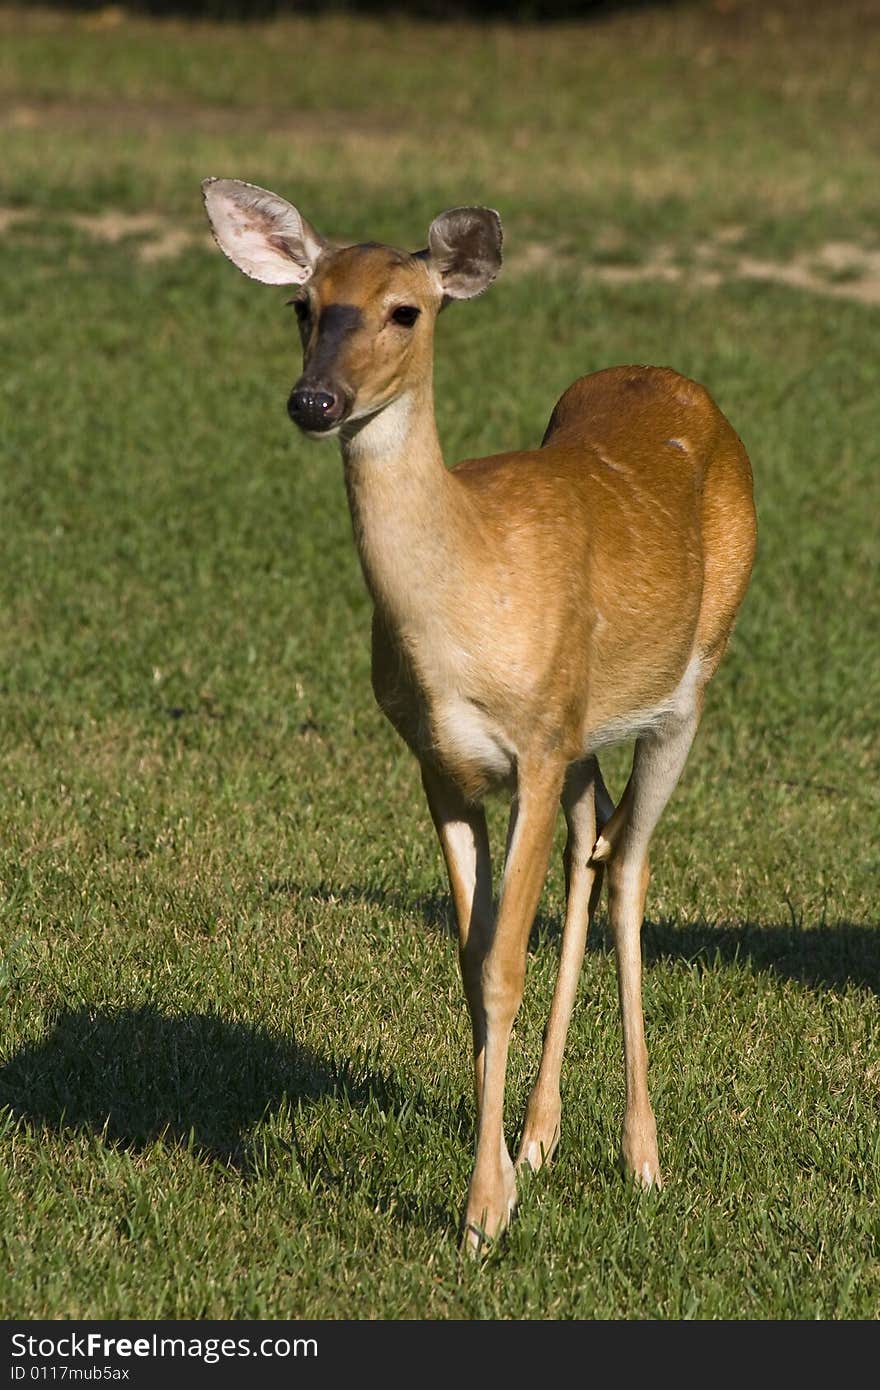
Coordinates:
(261, 233)
(464, 247)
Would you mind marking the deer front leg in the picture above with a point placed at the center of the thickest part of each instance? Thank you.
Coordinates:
(464, 839)
(492, 1192)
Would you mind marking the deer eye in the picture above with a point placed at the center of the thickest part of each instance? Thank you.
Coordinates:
(405, 315)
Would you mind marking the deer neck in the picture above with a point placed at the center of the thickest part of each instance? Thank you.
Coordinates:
(408, 512)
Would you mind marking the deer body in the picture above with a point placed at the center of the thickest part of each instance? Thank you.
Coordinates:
(529, 608)
(514, 630)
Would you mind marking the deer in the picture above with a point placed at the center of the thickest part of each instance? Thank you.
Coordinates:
(529, 609)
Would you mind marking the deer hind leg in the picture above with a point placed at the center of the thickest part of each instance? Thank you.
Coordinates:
(492, 1192)
(657, 765)
(464, 839)
(587, 805)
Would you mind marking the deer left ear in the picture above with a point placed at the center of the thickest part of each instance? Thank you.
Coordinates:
(464, 247)
(264, 235)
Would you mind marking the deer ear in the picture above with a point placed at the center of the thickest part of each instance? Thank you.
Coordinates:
(464, 247)
(261, 233)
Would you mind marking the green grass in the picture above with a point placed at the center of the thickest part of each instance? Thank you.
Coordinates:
(234, 1061)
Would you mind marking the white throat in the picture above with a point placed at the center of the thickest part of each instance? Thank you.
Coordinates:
(404, 508)
(381, 437)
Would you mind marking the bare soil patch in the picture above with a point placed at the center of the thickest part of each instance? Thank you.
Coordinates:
(842, 270)
(838, 269)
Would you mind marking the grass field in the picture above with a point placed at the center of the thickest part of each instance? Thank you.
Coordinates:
(234, 1057)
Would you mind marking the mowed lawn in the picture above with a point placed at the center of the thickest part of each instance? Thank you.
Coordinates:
(234, 1055)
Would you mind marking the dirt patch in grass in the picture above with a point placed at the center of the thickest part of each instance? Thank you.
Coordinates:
(839, 269)
(159, 237)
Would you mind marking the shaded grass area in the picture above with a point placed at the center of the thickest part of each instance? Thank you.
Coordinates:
(234, 1070)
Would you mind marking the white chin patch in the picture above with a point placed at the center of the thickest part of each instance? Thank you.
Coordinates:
(319, 435)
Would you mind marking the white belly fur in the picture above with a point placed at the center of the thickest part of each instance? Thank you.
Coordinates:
(465, 735)
(678, 705)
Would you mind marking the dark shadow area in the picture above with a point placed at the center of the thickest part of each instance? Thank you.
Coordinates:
(515, 11)
(822, 957)
(136, 1075)
(828, 956)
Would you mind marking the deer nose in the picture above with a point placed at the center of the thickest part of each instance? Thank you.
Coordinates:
(313, 409)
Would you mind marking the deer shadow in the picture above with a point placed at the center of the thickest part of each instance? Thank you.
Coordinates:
(825, 957)
(134, 1076)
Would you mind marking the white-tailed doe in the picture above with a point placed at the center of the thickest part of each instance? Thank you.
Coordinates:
(530, 608)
